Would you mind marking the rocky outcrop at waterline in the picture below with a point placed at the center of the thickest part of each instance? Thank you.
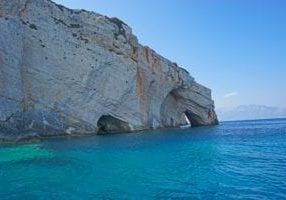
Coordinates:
(66, 71)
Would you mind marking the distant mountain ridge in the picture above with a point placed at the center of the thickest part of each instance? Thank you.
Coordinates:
(245, 112)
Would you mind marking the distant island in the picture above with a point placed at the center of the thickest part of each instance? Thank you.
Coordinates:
(246, 112)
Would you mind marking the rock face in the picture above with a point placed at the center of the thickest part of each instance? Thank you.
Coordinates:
(66, 71)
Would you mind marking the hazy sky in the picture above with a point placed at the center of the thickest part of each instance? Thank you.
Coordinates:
(237, 47)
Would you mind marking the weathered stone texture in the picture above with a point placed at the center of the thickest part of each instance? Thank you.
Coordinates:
(62, 70)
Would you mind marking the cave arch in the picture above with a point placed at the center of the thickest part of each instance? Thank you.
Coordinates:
(110, 124)
(172, 111)
(194, 119)
(178, 109)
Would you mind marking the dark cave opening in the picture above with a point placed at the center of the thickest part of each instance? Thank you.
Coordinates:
(109, 124)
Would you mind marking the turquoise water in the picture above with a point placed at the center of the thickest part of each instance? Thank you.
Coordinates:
(236, 160)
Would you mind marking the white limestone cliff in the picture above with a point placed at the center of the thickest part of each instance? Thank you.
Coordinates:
(66, 71)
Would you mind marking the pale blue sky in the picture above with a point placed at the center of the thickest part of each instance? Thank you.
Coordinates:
(237, 47)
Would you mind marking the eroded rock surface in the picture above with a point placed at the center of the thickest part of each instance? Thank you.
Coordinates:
(63, 70)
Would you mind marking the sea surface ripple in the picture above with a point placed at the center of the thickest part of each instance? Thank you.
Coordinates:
(235, 160)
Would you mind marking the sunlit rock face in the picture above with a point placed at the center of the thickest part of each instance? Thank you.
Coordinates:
(63, 70)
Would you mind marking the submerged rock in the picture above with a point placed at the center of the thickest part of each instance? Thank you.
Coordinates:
(66, 71)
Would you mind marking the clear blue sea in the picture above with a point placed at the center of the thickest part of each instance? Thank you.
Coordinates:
(235, 160)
